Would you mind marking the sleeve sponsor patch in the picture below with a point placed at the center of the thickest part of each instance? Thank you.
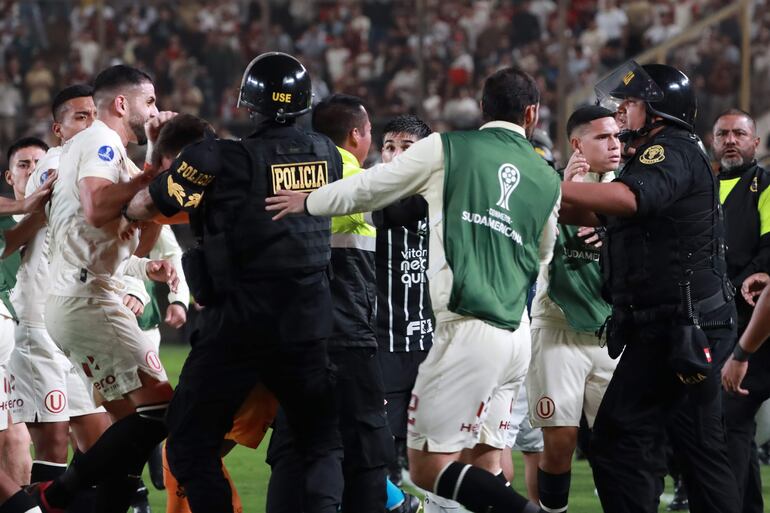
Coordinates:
(300, 176)
(106, 153)
(653, 155)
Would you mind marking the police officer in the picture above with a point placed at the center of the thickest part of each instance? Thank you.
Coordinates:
(744, 193)
(264, 286)
(672, 305)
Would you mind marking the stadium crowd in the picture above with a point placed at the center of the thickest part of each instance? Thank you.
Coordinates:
(621, 287)
(195, 51)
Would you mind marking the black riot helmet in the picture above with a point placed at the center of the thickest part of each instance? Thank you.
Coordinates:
(277, 86)
(666, 91)
(543, 146)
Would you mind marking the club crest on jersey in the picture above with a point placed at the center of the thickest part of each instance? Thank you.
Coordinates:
(509, 178)
(43, 177)
(106, 153)
(653, 155)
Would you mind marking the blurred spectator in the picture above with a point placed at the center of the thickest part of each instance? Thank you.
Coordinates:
(87, 50)
(10, 109)
(39, 81)
(611, 20)
(197, 50)
(525, 27)
(663, 29)
(462, 111)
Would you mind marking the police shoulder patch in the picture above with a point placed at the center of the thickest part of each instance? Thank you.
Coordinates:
(106, 153)
(653, 155)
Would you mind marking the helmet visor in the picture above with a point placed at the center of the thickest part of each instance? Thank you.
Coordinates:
(629, 80)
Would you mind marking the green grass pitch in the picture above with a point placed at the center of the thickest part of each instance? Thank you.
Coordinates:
(250, 472)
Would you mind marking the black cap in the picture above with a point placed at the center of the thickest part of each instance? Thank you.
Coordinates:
(277, 86)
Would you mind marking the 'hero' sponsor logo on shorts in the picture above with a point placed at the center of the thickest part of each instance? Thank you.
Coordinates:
(105, 383)
(55, 401)
(11, 404)
(545, 408)
(153, 361)
(300, 177)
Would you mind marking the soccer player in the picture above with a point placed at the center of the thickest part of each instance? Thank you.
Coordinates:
(85, 313)
(493, 200)
(404, 325)
(570, 369)
(14, 440)
(47, 388)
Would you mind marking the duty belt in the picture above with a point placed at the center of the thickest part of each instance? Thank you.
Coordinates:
(666, 312)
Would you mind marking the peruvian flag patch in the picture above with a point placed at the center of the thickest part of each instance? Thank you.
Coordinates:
(707, 352)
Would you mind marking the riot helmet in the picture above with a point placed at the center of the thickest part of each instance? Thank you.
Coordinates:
(277, 86)
(666, 92)
(543, 146)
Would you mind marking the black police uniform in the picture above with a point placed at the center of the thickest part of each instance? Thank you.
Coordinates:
(360, 395)
(673, 238)
(265, 290)
(745, 191)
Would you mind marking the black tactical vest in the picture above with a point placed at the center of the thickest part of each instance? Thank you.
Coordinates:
(240, 240)
(646, 259)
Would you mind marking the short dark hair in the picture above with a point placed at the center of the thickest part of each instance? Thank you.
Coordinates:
(336, 115)
(738, 112)
(178, 132)
(67, 94)
(507, 93)
(24, 142)
(119, 76)
(407, 124)
(585, 114)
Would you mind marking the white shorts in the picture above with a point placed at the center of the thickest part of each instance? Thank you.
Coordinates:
(153, 335)
(47, 388)
(569, 374)
(521, 436)
(6, 348)
(466, 386)
(102, 337)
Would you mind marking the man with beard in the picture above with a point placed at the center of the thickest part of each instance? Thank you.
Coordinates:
(746, 199)
(491, 200)
(84, 312)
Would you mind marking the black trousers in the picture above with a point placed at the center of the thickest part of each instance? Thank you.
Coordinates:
(399, 372)
(644, 402)
(740, 412)
(264, 336)
(366, 438)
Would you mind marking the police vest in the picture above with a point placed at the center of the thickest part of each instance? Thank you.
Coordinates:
(498, 196)
(646, 258)
(240, 239)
